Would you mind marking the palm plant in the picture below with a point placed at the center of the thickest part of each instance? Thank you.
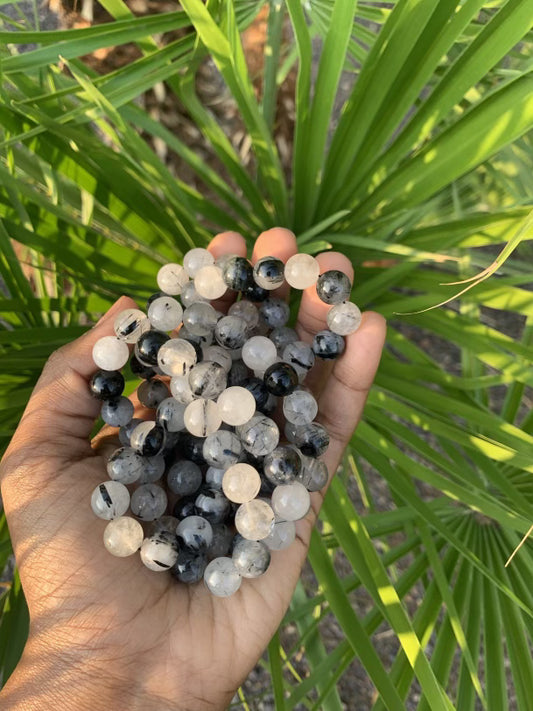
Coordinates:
(427, 167)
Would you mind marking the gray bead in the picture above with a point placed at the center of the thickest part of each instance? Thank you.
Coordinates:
(153, 469)
(207, 379)
(148, 502)
(328, 345)
(221, 543)
(184, 477)
(282, 336)
(222, 449)
(195, 533)
(300, 355)
(189, 567)
(275, 312)
(170, 415)
(251, 558)
(333, 287)
(312, 439)
(200, 318)
(231, 332)
(314, 474)
(152, 392)
(259, 436)
(213, 477)
(117, 412)
(125, 465)
(282, 465)
(125, 431)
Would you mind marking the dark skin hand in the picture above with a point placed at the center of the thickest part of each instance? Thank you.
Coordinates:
(107, 633)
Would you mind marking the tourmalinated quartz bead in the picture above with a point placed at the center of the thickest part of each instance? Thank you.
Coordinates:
(165, 313)
(140, 369)
(213, 477)
(275, 312)
(209, 282)
(181, 390)
(222, 449)
(202, 418)
(125, 465)
(197, 342)
(195, 533)
(241, 483)
(148, 502)
(189, 567)
(189, 295)
(231, 332)
(212, 505)
(195, 259)
(148, 346)
(314, 474)
(221, 544)
(259, 436)
(124, 433)
(110, 353)
(300, 407)
(171, 279)
(221, 577)
(207, 379)
(117, 412)
(107, 384)
(282, 535)
(192, 447)
(268, 273)
(236, 405)
(282, 336)
(148, 438)
(280, 379)
(251, 558)
(254, 520)
(176, 357)
(184, 477)
(219, 355)
(300, 355)
(164, 523)
(328, 345)
(237, 273)
(259, 352)
(153, 469)
(344, 318)
(110, 500)
(333, 287)
(239, 373)
(254, 292)
(282, 466)
(302, 271)
(130, 324)
(312, 439)
(170, 414)
(246, 310)
(185, 506)
(200, 318)
(290, 502)
(123, 536)
(152, 392)
(160, 551)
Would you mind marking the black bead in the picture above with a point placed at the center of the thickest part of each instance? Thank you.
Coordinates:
(333, 287)
(212, 505)
(189, 567)
(238, 273)
(282, 465)
(184, 507)
(107, 384)
(154, 442)
(152, 392)
(258, 390)
(192, 447)
(312, 439)
(254, 292)
(280, 379)
(148, 345)
(328, 345)
(139, 369)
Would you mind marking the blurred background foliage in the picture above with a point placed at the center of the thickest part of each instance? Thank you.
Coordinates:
(396, 132)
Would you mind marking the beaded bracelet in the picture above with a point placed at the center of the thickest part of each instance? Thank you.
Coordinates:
(235, 485)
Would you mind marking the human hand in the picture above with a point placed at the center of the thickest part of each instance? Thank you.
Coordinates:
(106, 632)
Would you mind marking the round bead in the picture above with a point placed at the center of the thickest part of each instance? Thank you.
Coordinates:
(221, 577)
(222, 449)
(328, 345)
(312, 439)
(110, 353)
(153, 469)
(251, 558)
(192, 447)
(209, 282)
(254, 292)
(165, 523)
(218, 355)
(170, 415)
(212, 505)
(165, 313)
(148, 438)
(333, 287)
(282, 466)
(124, 433)
(291, 502)
(214, 475)
(190, 296)
(282, 535)
(130, 324)
(118, 412)
(314, 475)
(110, 500)
(140, 370)
(259, 352)
(207, 379)
(176, 357)
(180, 389)
(280, 379)
(200, 318)
(184, 477)
(202, 417)
(125, 465)
(221, 544)
(152, 392)
(259, 436)
(246, 310)
(302, 271)
(275, 312)
(160, 551)
(148, 502)
(344, 318)
(254, 520)
(268, 273)
(237, 273)
(123, 536)
(300, 407)
(238, 374)
(148, 346)
(300, 355)
(236, 405)
(282, 336)
(107, 384)
(241, 483)
(189, 567)
(231, 332)
(195, 533)
(195, 259)
(171, 279)
(185, 506)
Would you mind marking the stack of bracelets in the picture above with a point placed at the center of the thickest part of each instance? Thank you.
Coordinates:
(233, 485)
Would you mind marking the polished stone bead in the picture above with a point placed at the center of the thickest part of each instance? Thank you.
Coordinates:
(202, 417)
(159, 552)
(282, 535)
(163, 523)
(198, 342)
(314, 475)
(184, 477)
(212, 505)
(125, 465)
(140, 370)
(130, 324)
(328, 345)
(344, 318)
(218, 355)
(195, 533)
(280, 379)
(231, 332)
(241, 483)
(124, 433)
(191, 447)
(153, 469)
(259, 352)
(148, 438)
(290, 502)
(254, 292)
(118, 412)
(190, 296)
(259, 436)
(246, 310)
(106, 384)
(221, 577)
(302, 271)
(282, 466)
(207, 379)
(223, 259)
(312, 439)
(181, 390)
(236, 405)
(222, 538)
(213, 477)
(110, 353)
(237, 273)
(254, 520)
(176, 357)
(222, 449)
(268, 273)
(282, 336)
(300, 355)
(300, 407)
(171, 279)
(195, 259)
(333, 287)
(148, 502)
(170, 414)
(189, 567)
(238, 374)
(110, 500)
(209, 282)
(200, 318)
(275, 312)
(151, 393)
(165, 313)
(123, 536)
(148, 346)
(251, 558)
(185, 506)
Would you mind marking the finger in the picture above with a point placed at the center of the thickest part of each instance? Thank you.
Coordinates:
(227, 243)
(276, 242)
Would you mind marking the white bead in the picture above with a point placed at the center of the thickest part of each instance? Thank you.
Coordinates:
(300, 407)
(170, 415)
(159, 552)
(259, 352)
(171, 279)
(202, 417)
(110, 499)
(302, 271)
(221, 577)
(241, 483)
(259, 436)
(165, 313)
(110, 353)
(123, 536)
(195, 259)
(254, 520)
(209, 283)
(219, 355)
(236, 405)
(189, 295)
(344, 318)
(180, 389)
(291, 501)
(176, 357)
(130, 324)
(282, 535)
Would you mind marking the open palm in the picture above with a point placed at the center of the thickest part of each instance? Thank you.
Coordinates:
(109, 630)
